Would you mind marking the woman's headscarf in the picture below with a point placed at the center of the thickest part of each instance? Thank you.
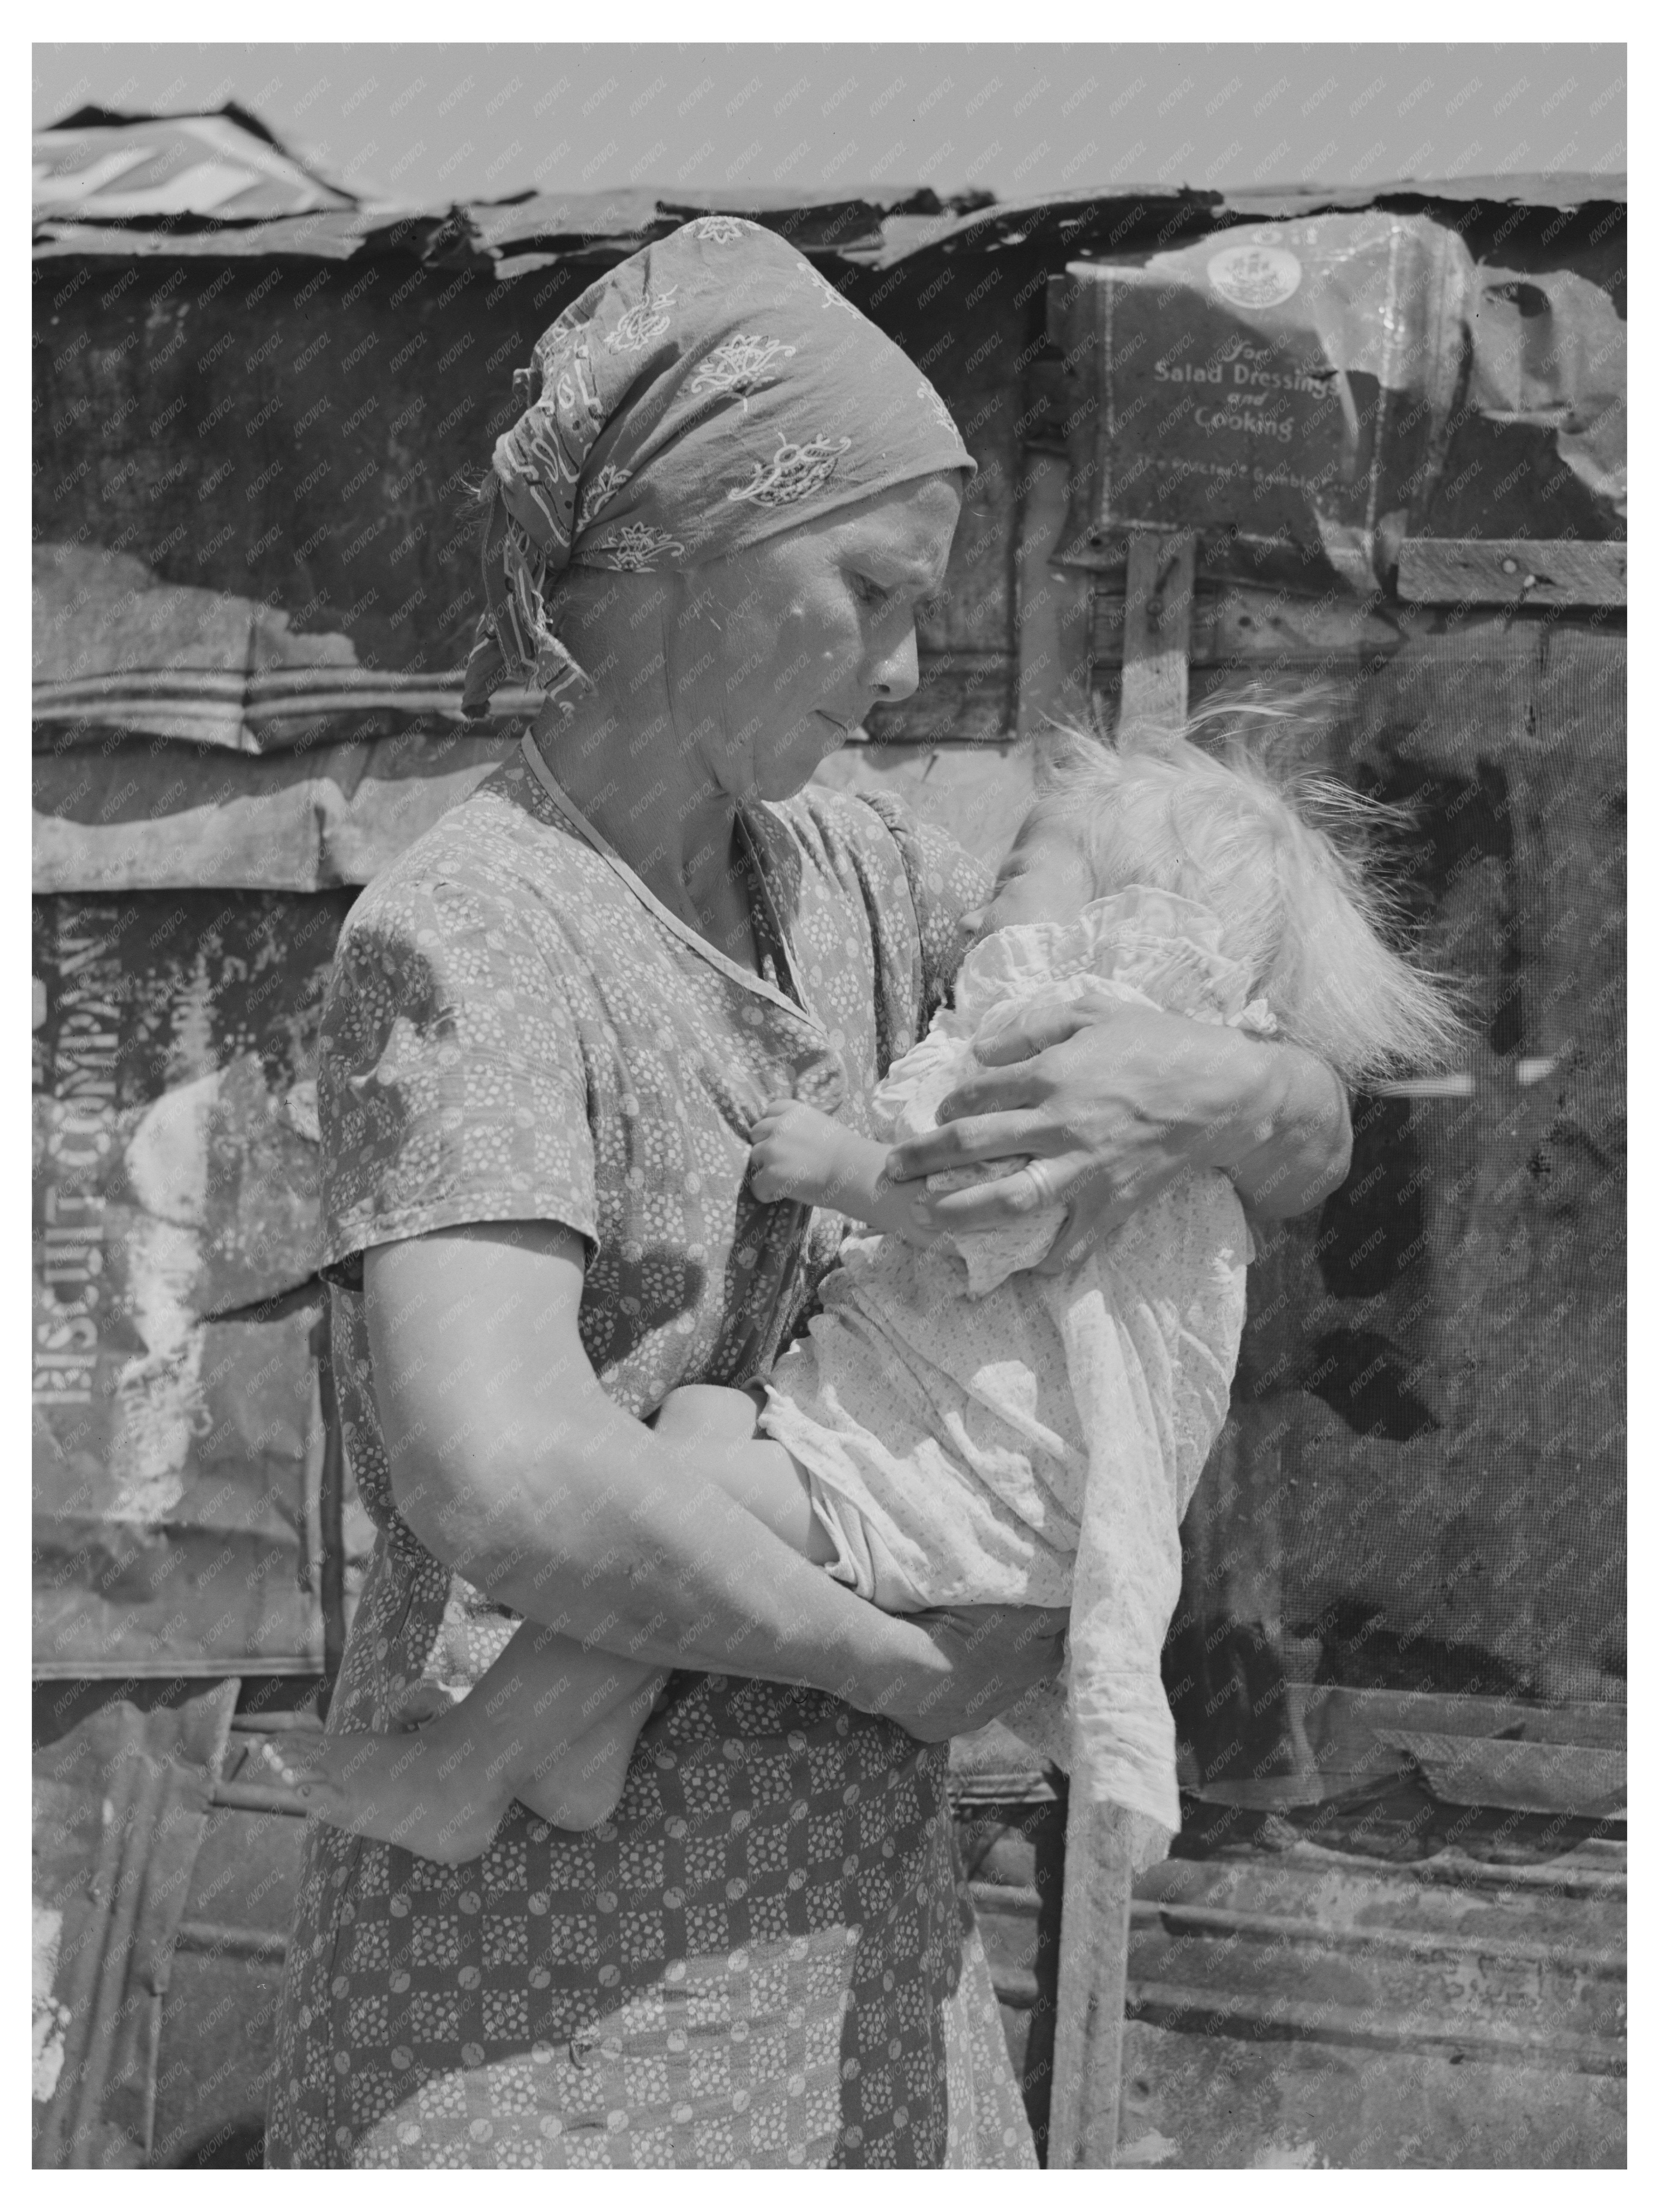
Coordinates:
(707, 392)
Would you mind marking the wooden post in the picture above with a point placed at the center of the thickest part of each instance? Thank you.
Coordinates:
(1094, 1967)
(1094, 1926)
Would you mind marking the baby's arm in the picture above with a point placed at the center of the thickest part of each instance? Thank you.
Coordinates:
(799, 1153)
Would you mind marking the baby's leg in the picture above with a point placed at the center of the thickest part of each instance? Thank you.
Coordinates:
(716, 1427)
(551, 1723)
(706, 1414)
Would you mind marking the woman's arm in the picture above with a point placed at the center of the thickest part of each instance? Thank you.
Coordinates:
(1118, 1102)
(512, 1465)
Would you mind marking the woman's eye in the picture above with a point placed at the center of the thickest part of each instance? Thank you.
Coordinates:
(873, 593)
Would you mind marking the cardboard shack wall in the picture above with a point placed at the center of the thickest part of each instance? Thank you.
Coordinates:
(255, 590)
(1311, 394)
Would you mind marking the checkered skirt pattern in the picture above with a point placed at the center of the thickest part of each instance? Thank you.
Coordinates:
(766, 1959)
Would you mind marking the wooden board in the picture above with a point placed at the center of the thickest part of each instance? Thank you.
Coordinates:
(1501, 572)
(1157, 628)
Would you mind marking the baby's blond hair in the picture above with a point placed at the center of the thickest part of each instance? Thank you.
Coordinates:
(1220, 811)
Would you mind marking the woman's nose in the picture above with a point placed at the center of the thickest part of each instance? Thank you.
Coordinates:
(897, 672)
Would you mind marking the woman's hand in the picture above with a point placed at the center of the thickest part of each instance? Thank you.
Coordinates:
(1113, 1102)
(989, 1657)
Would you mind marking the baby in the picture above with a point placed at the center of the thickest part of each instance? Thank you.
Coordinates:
(955, 1428)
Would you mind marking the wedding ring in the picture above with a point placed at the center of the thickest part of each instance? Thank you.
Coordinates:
(1038, 1171)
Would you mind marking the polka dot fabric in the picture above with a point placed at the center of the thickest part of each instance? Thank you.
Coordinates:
(766, 1957)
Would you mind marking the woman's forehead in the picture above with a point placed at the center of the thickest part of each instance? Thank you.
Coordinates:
(911, 525)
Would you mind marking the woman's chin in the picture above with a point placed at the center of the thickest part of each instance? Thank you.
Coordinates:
(783, 778)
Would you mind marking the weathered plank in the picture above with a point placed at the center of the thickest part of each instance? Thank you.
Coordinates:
(1053, 606)
(1157, 626)
(120, 1813)
(1501, 572)
(1264, 627)
(1577, 1780)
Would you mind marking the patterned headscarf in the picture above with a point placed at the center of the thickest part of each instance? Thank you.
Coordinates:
(707, 393)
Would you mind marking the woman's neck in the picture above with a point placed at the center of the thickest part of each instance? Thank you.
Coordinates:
(651, 798)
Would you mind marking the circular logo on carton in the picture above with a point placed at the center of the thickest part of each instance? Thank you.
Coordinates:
(1255, 276)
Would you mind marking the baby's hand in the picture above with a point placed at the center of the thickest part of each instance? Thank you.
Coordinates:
(793, 1154)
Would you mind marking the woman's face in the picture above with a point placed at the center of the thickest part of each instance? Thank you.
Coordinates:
(776, 654)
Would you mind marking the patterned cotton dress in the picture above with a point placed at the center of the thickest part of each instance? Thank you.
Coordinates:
(767, 1956)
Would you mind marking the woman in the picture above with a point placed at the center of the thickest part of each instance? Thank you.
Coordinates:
(551, 1025)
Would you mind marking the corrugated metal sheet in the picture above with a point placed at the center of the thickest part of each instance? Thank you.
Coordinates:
(226, 176)
(1304, 2007)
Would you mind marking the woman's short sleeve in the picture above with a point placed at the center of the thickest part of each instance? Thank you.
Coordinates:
(946, 881)
(452, 1085)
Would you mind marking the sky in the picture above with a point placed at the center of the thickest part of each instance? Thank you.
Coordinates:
(426, 124)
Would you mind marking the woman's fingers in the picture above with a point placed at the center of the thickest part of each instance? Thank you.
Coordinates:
(1030, 1031)
(959, 1144)
(1010, 1198)
(1015, 1625)
(997, 1653)
(419, 1703)
(1095, 1201)
(1034, 1190)
(1026, 1087)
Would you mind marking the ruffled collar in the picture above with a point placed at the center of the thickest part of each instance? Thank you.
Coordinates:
(1156, 941)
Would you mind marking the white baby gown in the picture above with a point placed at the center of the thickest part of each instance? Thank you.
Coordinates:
(975, 1434)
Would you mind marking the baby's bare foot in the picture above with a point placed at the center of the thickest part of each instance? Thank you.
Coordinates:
(403, 1790)
(581, 1789)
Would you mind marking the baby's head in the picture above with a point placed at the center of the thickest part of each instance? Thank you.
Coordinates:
(1273, 852)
